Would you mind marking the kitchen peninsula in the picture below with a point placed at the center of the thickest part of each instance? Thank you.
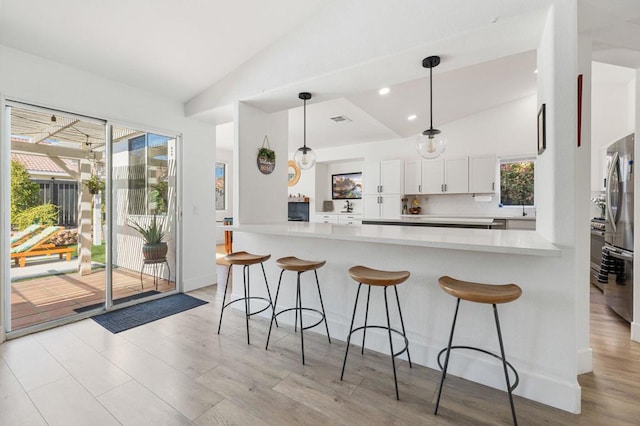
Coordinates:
(543, 353)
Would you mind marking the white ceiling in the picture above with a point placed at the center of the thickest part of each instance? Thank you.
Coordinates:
(174, 48)
(179, 49)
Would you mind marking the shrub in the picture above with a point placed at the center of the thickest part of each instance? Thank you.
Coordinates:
(45, 214)
(24, 193)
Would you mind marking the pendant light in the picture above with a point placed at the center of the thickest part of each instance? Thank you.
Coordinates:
(431, 143)
(305, 158)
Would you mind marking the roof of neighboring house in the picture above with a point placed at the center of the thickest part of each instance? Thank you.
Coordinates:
(43, 164)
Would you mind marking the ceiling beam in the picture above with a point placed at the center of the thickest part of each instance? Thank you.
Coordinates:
(55, 151)
(57, 131)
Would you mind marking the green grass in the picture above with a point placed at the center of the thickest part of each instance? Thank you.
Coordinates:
(97, 253)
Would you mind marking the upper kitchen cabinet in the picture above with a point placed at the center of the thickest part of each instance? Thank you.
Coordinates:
(383, 189)
(482, 174)
(445, 176)
(385, 177)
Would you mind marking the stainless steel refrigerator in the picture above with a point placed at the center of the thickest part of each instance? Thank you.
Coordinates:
(618, 249)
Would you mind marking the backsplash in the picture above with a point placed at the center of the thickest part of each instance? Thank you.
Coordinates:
(467, 205)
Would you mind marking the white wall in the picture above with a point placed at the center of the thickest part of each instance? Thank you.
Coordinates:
(38, 81)
(263, 198)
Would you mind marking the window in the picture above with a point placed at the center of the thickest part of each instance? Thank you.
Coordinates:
(221, 186)
(516, 182)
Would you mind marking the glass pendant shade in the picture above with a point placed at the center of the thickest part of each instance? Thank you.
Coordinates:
(430, 145)
(305, 158)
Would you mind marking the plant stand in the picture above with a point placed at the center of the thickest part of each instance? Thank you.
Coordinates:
(156, 265)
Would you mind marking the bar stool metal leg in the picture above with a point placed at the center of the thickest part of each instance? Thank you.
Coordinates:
(446, 359)
(266, 284)
(224, 297)
(504, 365)
(346, 352)
(299, 308)
(324, 314)
(273, 311)
(366, 317)
(404, 332)
(247, 305)
(393, 358)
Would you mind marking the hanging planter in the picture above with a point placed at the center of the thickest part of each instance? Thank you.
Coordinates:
(266, 157)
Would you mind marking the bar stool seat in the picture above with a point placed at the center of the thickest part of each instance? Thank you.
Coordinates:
(246, 259)
(385, 279)
(492, 294)
(480, 293)
(292, 263)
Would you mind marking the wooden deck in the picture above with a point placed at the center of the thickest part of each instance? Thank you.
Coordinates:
(44, 299)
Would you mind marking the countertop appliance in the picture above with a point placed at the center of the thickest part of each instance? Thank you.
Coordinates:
(618, 249)
(597, 242)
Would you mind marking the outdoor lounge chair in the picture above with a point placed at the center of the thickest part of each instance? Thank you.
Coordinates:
(39, 245)
(25, 234)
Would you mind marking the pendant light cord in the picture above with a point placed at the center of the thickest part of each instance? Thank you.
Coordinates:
(431, 98)
(304, 136)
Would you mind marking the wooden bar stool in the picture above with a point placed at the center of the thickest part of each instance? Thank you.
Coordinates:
(300, 266)
(384, 279)
(246, 259)
(479, 293)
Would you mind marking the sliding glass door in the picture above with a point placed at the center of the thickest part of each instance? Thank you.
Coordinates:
(93, 216)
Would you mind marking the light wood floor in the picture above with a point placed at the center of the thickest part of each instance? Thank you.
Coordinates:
(179, 371)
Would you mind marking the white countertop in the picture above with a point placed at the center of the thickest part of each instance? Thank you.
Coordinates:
(482, 240)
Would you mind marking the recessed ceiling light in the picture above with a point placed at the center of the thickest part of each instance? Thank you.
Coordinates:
(535, 71)
(384, 91)
(412, 117)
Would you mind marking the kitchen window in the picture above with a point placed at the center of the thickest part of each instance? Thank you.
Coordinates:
(517, 182)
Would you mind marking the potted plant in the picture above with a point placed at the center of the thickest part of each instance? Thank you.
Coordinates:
(266, 160)
(95, 184)
(154, 248)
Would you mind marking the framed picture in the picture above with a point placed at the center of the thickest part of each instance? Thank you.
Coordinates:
(346, 186)
(542, 129)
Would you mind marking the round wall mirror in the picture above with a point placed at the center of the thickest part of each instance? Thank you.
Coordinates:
(293, 173)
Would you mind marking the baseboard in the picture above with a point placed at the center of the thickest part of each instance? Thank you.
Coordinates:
(635, 331)
(199, 282)
(585, 360)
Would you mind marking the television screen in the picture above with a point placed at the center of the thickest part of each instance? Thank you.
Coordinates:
(346, 186)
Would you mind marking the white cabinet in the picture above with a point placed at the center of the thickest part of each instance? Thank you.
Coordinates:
(412, 177)
(482, 174)
(350, 219)
(445, 176)
(326, 218)
(383, 189)
(458, 175)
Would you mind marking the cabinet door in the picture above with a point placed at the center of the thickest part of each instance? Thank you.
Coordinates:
(371, 178)
(392, 176)
(432, 176)
(456, 175)
(482, 174)
(371, 206)
(412, 177)
(391, 206)
(329, 218)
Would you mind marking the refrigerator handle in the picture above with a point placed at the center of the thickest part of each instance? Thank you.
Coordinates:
(614, 161)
